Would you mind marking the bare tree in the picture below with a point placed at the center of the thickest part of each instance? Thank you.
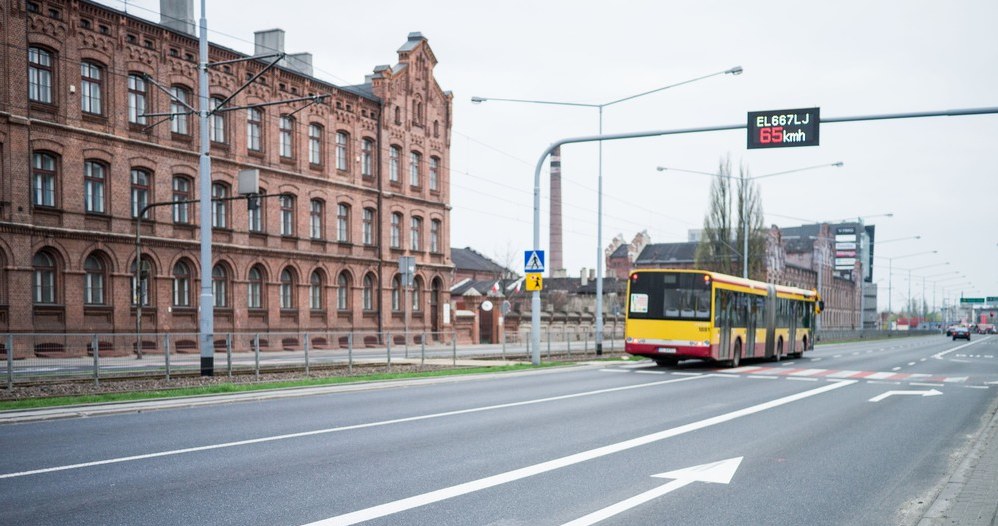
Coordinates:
(731, 207)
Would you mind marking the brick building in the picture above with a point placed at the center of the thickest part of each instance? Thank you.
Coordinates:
(364, 170)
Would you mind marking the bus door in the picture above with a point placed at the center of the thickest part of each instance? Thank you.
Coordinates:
(722, 323)
(751, 306)
(794, 317)
(770, 321)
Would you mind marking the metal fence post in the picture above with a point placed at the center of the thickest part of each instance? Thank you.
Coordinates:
(10, 361)
(350, 352)
(549, 343)
(228, 354)
(256, 355)
(95, 345)
(568, 342)
(166, 354)
(422, 349)
(388, 347)
(453, 344)
(307, 343)
(504, 345)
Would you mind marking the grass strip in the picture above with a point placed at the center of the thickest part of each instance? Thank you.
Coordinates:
(225, 388)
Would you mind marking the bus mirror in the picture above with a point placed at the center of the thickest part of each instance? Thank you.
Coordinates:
(818, 307)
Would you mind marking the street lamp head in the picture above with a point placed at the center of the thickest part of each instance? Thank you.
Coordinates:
(478, 100)
(889, 214)
(737, 70)
(661, 168)
(839, 164)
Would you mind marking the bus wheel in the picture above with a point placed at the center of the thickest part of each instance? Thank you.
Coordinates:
(779, 350)
(736, 356)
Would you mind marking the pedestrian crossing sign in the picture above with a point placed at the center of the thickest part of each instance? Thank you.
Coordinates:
(533, 261)
(534, 282)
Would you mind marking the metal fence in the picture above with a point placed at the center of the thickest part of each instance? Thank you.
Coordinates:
(33, 358)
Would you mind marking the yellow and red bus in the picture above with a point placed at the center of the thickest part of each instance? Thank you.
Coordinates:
(680, 314)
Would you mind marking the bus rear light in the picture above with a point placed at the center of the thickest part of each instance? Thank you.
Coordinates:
(629, 340)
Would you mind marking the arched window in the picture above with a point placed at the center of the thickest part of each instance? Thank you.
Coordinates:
(343, 292)
(137, 93)
(286, 137)
(91, 87)
(315, 144)
(254, 293)
(342, 143)
(40, 77)
(366, 158)
(44, 278)
(415, 233)
(219, 209)
(141, 191)
(417, 294)
(434, 174)
(180, 102)
(216, 123)
(220, 285)
(368, 292)
(94, 281)
(44, 179)
(287, 215)
(182, 191)
(343, 223)
(315, 286)
(415, 162)
(94, 187)
(141, 286)
(394, 158)
(396, 232)
(368, 226)
(317, 211)
(181, 284)
(435, 236)
(396, 294)
(287, 289)
(254, 129)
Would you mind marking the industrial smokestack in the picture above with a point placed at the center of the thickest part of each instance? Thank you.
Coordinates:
(557, 263)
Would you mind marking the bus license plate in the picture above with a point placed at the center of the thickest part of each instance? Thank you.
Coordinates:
(667, 350)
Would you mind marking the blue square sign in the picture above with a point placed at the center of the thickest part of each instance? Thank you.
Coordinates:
(533, 261)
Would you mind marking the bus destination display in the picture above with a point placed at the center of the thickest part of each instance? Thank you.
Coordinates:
(783, 128)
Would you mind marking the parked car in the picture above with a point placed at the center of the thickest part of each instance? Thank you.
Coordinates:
(961, 331)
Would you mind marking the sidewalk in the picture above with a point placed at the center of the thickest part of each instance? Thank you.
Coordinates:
(970, 497)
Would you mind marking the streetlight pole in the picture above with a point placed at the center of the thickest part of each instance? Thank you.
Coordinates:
(890, 275)
(737, 70)
(743, 180)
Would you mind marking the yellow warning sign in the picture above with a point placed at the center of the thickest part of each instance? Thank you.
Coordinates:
(534, 281)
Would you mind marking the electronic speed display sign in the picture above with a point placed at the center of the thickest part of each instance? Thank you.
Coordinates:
(783, 128)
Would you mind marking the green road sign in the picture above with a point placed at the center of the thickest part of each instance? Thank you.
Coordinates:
(971, 300)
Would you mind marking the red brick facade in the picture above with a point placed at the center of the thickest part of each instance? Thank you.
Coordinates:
(367, 166)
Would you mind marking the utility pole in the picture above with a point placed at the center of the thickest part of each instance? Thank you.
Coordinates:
(206, 307)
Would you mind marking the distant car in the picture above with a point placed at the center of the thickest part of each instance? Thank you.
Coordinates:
(961, 331)
(949, 330)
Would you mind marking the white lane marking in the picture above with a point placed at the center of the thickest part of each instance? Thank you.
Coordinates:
(807, 372)
(615, 371)
(338, 429)
(759, 377)
(802, 379)
(924, 384)
(841, 374)
(939, 356)
(896, 369)
(391, 508)
(650, 372)
(816, 359)
(879, 376)
(909, 364)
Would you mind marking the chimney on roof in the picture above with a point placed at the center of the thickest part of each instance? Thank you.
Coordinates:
(177, 15)
(268, 42)
(300, 62)
(584, 274)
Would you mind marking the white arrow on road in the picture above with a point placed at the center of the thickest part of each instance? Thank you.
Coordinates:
(930, 392)
(716, 472)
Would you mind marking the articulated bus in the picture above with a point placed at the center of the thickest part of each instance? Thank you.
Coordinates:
(675, 315)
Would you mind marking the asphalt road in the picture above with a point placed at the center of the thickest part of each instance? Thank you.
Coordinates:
(820, 440)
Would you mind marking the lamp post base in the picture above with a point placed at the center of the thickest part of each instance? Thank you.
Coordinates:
(207, 366)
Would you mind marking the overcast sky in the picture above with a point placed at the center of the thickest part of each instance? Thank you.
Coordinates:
(937, 176)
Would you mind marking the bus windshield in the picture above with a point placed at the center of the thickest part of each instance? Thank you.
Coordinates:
(669, 296)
